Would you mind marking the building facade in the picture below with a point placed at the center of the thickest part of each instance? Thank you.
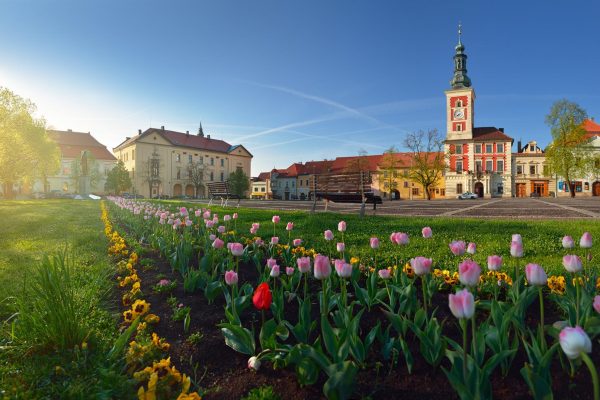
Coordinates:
(530, 172)
(174, 164)
(479, 158)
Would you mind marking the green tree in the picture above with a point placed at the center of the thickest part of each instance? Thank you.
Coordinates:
(427, 159)
(26, 152)
(389, 165)
(568, 153)
(117, 180)
(239, 182)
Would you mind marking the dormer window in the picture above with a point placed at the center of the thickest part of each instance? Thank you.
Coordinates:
(459, 103)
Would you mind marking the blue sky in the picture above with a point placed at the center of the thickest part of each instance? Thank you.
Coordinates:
(296, 81)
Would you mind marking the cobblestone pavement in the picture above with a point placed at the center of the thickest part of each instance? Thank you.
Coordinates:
(530, 208)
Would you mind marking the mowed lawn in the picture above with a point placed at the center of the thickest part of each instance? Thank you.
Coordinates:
(541, 239)
(30, 229)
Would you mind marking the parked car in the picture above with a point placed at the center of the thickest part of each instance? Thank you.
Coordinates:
(467, 195)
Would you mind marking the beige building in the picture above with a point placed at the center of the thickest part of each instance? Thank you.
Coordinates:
(260, 188)
(530, 171)
(168, 163)
(72, 145)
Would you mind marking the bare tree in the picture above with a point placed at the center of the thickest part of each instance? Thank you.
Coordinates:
(196, 175)
(427, 158)
(389, 165)
(151, 172)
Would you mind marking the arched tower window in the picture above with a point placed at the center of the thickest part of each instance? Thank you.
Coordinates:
(459, 103)
(458, 127)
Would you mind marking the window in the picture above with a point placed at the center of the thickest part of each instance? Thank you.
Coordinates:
(405, 184)
(178, 174)
(222, 162)
(200, 160)
(459, 188)
(459, 103)
(415, 191)
(499, 147)
(478, 166)
(212, 161)
(500, 165)
(154, 165)
(458, 149)
(489, 148)
(532, 170)
(519, 169)
(133, 173)
(178, 157)
(222, 176)
(133, 155)
(293, 183)
(500, 189)
(459, 167)
(262, 189)
(477, 149)
(442, 192)
(459, 127)
(190, 158)
(489, 165)
(212, 176)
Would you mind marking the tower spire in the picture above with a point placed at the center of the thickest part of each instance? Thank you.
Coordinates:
(460, 79)
(200, 130)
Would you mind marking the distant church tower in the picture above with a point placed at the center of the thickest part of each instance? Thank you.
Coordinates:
(460, 100)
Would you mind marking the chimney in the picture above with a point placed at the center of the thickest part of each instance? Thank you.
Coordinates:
(69, 130)
(187, 133)
(519, 148)
(501, 130)
(208, 136)
(162, 128)
(139, 131)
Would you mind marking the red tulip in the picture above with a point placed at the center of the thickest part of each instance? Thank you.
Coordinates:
(262, 297)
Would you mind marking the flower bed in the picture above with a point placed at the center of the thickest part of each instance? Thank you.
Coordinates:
(348, 327)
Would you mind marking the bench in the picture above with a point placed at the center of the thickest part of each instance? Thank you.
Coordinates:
(220, 190)
(346, 187)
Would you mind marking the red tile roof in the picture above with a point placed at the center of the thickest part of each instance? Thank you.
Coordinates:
(592, 128)
(263, 176)
(489, 133)
(71, 145)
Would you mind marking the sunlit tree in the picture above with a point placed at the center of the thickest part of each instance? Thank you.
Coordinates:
(427, 160)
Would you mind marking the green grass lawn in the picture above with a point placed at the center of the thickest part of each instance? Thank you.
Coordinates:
(541, 239)
(28, 368)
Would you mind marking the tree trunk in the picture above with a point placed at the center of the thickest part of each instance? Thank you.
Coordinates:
(571, 188)
(8, 192)
(427, 193)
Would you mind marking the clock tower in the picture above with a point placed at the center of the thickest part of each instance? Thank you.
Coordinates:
(460, 99)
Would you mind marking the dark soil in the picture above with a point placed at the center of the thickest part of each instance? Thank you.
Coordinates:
(222, 373)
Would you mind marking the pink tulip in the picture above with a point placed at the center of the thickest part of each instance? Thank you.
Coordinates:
(516, 249)
(421, 265)
(164, 282)
(253, 231)
(215, 219)
(328, 235)
(221, 229)
(255, 225)
(183, 211)
(574, 341)
(188, 222)
(231, 278)
(462, 304)
(343, 269)
(517, 238)
(341, 247)
(572, 263)
(469, 272)
(597, 304)
(218, 243)
(303, 264)
(297, 242)
(426, 232)
(235, 216)
(271, 262)
(472, 248)
(275, 219)
(568, 242)
(206, 214)
(237, 249)
(494, 263)
(212, 237)
(259, 242)
(586, 240)
(374, 242)
(289, 226)
(198, 213)
(322, 268)
(227, 218)
(274, 240)
(229, 246)
(275, 271)
(536, 275)
(457, 247)
(289, 271)
(253, 363)
(384, 273)
(209, 224)
(342, 226)
(399, 238)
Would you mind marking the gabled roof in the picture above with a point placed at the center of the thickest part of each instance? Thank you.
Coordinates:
(185, 140)
(486, 133)
(591, 127)
(263, 176)
(71, 145)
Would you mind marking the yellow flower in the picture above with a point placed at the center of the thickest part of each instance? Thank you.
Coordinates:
(152, 319)
(354, 260)
(191, 396)
(140, 307)
(160, 343)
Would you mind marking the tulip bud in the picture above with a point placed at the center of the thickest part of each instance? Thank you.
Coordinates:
(254, 363)
(536, 275)
(574, 341)
(462, 304)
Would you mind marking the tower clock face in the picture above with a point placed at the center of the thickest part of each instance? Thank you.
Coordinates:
(459, 114)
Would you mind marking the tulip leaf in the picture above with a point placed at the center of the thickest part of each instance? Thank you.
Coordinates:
(238, 338)
(341, 380)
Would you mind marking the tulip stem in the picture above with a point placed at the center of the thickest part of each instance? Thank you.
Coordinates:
(577, 295)
(542, 334)
(305, 285)
(324, 300)
(473, 338)
(463, 324)
(590, 364)
(233, 287)
(424, 287)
